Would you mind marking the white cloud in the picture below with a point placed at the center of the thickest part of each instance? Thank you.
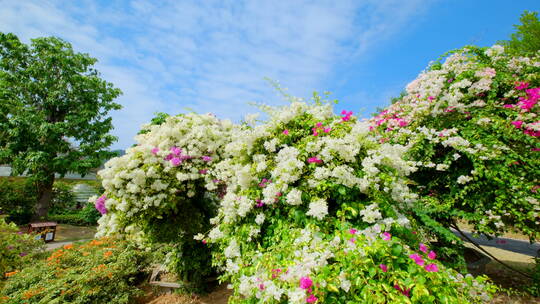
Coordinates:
(210, 56)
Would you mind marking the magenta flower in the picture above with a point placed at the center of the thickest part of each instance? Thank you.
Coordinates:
(404, 291)
(508, 106)
(432, 255)
(155, 150)
(422, 248)
(203, 171)
(23, 254)
(175, 161)
(176, 151)
(206, 158)
(261, 286)
(386, 236)
(521, 85)
(204, 242)
(326, 130)
(353, 231)
(352, 240)
(100, 204)
(347, 115)
(311, 299)
(314, 160)
(305, 282)
(417, 259)
(384, 268)
(431, 268)
(286, 132)
(517, 124)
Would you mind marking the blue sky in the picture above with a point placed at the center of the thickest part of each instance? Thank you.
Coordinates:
(212, 56)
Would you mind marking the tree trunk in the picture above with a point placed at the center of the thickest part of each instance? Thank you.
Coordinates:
(44, 190)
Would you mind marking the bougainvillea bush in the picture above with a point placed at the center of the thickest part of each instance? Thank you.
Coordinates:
(472, 122)
(103, 270)
(316, 210)
(163, 190)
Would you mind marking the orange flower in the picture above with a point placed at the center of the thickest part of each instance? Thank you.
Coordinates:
(68, 246)
(85, 253)
(8, 274)
(107, 254)
(95, 243)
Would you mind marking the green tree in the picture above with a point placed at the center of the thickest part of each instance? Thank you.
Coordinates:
(526, 39)
(53, 112)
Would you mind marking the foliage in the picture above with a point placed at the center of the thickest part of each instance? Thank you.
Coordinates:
(87, 216)
(53, 117)
(63, 199)
(158, 192)
(472, 124)
(526, 40)
(17, 199)
(104, 270)
(15, 248)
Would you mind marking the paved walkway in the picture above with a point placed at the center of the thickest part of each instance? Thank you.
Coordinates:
(517, 246)
(55, 245)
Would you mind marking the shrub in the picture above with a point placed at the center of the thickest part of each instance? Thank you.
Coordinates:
(63, 200)
(317, 210)
(104, 270)
(472, 124)
(17, 199)
(159, 191)
(16, 248)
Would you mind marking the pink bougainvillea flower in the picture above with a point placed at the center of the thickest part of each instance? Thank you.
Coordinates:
(404, 291)
(417, 259)
(521, 85)
(259, 203)
(326, 130)
(508, 106)
(204, 242)
(305, 282)
(430, 98)
(535, 149)
(155, 150)
(311, 299)
(383, 267)
(386, 236)
(203, 171)
(319, 124)
(422, 248)
(347, 115)
(176, 151)
(517, 124)
(175, 161)
(100, 204)
(431, 268)
(314, 160)
(23, 254)
(432, 255)
(352, 231)
(206, 158)
(261, 286)
(286, 132)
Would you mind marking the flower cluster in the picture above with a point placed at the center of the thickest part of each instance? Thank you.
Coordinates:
(472, 122)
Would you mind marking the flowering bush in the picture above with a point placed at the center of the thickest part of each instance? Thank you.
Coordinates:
(15, 248)
(473, 126)
(100, 271)
(316, 211)
(163, 190)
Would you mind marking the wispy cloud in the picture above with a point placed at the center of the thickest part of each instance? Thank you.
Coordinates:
(210, 56)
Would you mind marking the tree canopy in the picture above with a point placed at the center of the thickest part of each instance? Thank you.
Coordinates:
(53, 111)
(526, 39)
